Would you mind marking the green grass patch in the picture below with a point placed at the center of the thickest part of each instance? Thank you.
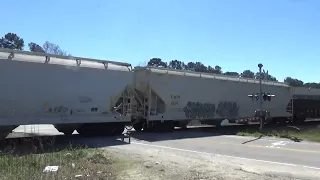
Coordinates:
(73, 162)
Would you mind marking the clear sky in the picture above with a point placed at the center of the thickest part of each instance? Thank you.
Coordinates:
(284, 35)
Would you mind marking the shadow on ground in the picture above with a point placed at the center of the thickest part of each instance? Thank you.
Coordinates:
(191, 132)
(35, 144)
(200, 132)
(43, 144)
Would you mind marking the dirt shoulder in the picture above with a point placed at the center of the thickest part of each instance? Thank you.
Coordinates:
(135, 162)
(152, 163)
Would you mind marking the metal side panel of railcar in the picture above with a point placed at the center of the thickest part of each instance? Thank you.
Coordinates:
(306, 103)
(38, 88)
(190, 95)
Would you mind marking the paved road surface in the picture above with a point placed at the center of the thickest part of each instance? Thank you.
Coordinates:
(277, 150)
(280, 152)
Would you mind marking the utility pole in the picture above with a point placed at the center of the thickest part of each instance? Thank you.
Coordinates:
(260, 97)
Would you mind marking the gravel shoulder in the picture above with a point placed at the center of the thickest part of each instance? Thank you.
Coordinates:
(156, 163)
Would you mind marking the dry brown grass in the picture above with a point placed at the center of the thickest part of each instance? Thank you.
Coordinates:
(28, 160)
(310, 133)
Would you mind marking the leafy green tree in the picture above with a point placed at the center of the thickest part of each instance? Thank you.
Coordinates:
(191, 66)
(265, 76)
(47, 47)
(199, 67)
(175, 64)
(12, 41)
(312, 85)
(293, 82)
(35, 47)
(210, 69)
(217, 70)
(247, 74)
(231, 74)
(157, 62)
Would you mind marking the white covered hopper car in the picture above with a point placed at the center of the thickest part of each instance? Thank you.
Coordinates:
(177, 97)
(98, 97)
(69, 92)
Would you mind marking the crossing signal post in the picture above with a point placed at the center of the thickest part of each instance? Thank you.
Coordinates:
(260, 96)
(265, 97)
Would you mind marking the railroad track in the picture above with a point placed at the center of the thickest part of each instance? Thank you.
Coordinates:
(235, 127)
(239, 127)
(18, 140)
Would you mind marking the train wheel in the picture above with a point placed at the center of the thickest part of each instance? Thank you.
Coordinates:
(67, 131)
(217, 124)
(91, 130)
(82, 130)
(273, 121)
(3, 135)
(282, 121)
(165, 126)
(150, 127)
(138, 126)
(301, 120)
(169, 126)
(294, 120)
(118, 130)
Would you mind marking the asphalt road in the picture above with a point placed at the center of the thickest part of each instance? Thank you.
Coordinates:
(280, 152)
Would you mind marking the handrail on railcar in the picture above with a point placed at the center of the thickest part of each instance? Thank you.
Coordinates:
(12, 51)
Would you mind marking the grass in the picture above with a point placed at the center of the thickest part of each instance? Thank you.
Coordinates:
(86, 163)
(310, 134)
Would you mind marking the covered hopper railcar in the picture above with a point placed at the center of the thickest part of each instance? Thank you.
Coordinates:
(71, 93)
(177, 97)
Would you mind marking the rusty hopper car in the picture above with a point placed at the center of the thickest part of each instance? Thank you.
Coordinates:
(305, 104)
(71, 93)
(174, 98)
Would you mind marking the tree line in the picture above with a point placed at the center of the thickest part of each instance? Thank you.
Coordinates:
(200, 67)
(13, 41)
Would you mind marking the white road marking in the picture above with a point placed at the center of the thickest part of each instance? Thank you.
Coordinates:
(278, 143)
(206, 153)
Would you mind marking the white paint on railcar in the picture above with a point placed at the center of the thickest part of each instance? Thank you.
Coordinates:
(192, 95)
(37, 91)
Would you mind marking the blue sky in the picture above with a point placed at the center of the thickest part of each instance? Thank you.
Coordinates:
(284, 35)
